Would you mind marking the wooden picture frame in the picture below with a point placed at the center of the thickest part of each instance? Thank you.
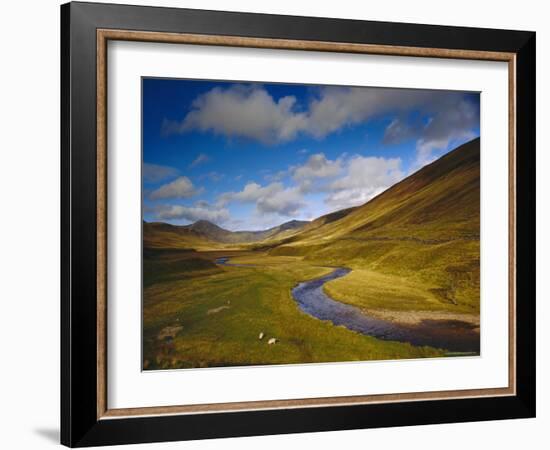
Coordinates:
(86, 418)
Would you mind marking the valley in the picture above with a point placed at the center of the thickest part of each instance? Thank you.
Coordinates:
(214, 297)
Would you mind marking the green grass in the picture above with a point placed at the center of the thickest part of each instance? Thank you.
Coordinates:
(406, 275)
(162, 265)
(222, 315)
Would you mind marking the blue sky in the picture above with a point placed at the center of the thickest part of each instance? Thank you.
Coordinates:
(250, 156)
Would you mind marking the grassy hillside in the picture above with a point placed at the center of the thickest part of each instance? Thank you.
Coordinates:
(423, 231)
(164, 235)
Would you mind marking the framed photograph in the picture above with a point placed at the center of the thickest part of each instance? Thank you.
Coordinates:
(276, 224)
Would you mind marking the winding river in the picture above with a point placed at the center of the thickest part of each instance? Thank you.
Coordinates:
(452, 335)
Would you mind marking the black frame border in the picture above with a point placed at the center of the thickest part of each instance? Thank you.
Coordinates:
(79, 424)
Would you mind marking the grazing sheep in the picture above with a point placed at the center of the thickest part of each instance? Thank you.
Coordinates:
(261, 336)
(272, 341)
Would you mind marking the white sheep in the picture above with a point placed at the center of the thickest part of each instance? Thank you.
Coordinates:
(272, 341)
(261, 336)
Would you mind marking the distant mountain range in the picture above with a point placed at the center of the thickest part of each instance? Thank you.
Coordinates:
(164, 233)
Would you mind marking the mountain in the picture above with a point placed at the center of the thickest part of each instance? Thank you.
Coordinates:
(203, 233)
(210, 231)
(284, 230)
(439, 202)
(165, 235)
(424, 229)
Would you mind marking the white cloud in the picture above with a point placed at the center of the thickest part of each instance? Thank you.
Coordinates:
(241, 111)
(202, 158)
(153, 173)
(317, 166)
(273, 198)
(192, 213)
(250, 193)
(285, 202)
(181, 187)
(365, 178)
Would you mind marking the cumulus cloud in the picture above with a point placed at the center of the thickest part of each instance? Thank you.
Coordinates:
(317, 166)
(153, 173)
(192, 213)
(365, 178)
(201, 158)
(250, 193)
(285, 202)
(337, 107)
(181, 187)
(273, 198)
(241, 111)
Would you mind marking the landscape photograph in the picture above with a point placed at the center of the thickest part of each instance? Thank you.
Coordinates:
(297, 224)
